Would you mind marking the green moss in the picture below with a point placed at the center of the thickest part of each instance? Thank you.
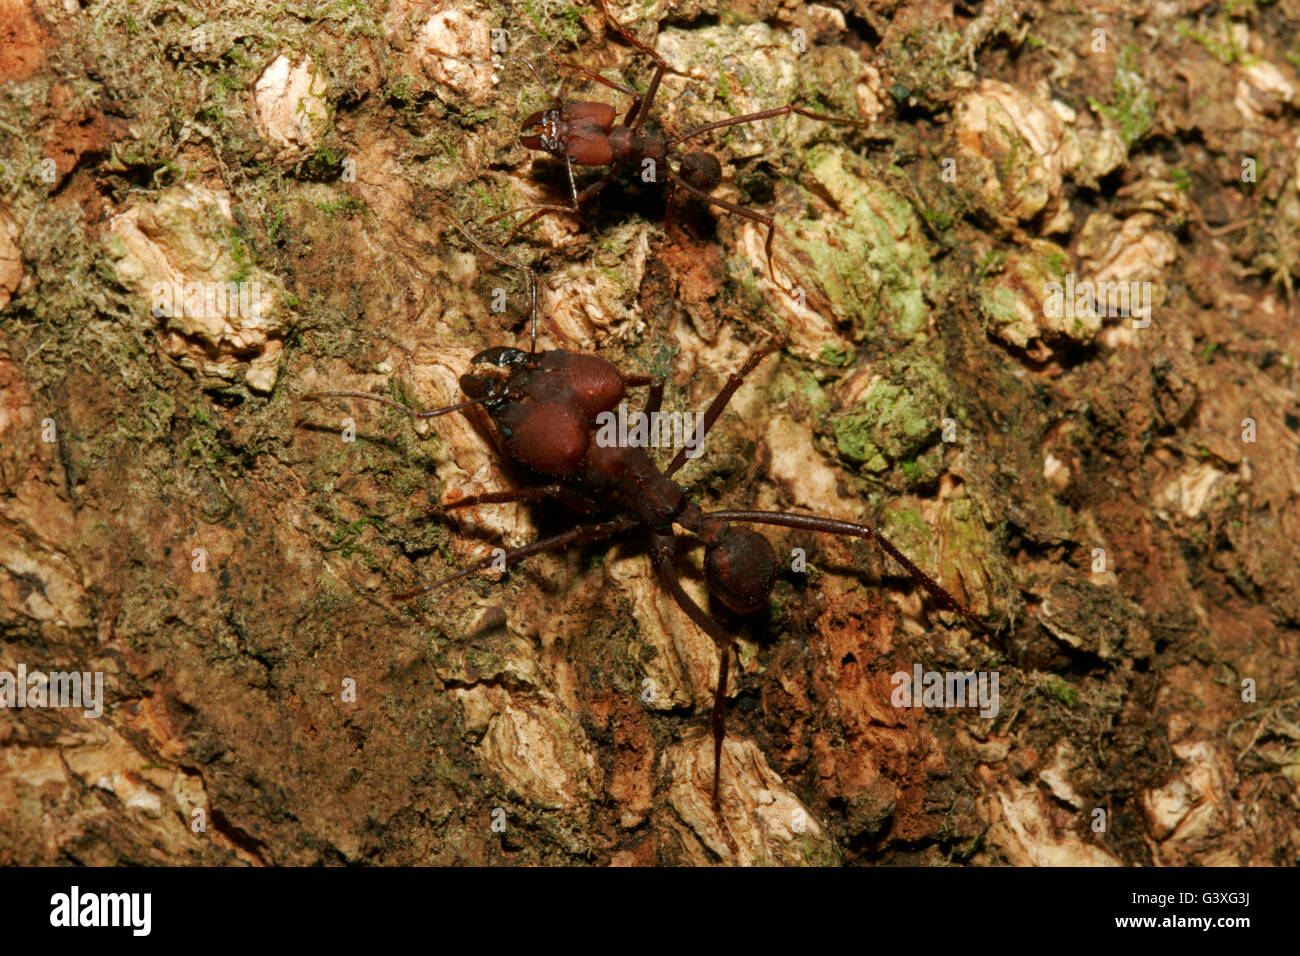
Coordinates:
(922, 63)
(346, 534)
(871, 261)
(1061, 690)
(897, 420)
(1225, 51)
(347, 205)
(836, 354)
(1133, 110)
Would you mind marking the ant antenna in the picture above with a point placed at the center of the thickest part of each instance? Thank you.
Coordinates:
(532, 281)
(410, 412)
(555, 97)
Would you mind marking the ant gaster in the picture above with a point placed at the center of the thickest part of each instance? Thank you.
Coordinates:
(545, 406)
(586, 134)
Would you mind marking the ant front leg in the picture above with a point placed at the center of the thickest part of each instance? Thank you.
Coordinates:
(542, 210)
(715, 409)
(539, 211)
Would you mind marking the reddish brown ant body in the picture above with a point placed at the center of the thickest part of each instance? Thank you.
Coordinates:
(545, 407)
(587, 134)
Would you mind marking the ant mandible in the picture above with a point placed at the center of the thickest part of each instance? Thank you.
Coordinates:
(544, 406)
(586, 134)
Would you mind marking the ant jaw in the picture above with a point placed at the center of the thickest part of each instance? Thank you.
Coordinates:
(491, 372)
(541, 131)
(501, 356)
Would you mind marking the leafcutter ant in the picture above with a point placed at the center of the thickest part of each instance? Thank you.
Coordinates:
(587, 134)
(545, 405)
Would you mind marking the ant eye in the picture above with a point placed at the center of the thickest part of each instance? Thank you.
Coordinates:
(740, 567)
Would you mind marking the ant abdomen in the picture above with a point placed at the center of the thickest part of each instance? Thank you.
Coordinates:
(740, 567)
(701, 170)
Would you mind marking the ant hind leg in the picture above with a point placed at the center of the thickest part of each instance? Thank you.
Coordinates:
(732, 207)
(662, 549)
(855, 530)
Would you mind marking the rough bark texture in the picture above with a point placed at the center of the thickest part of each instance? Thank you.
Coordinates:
(1117, 497)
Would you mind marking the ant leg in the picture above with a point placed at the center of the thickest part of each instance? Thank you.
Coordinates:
(719, 720)
(636, 116)
(620, 87)
(734, 381)
(662, 547)
(583, 534)
(567, 496)
(762, 115)
(668, 205)
(555, 97)
(656, 397)
(852, 529)
(628, 36)
(540, 211)
(738, 210)
(662, 550)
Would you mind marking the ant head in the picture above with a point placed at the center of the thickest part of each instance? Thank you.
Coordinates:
(740, 567)
(597, 385)
(541, 131)
(701, 170)
(549, 437)
(490, 383)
